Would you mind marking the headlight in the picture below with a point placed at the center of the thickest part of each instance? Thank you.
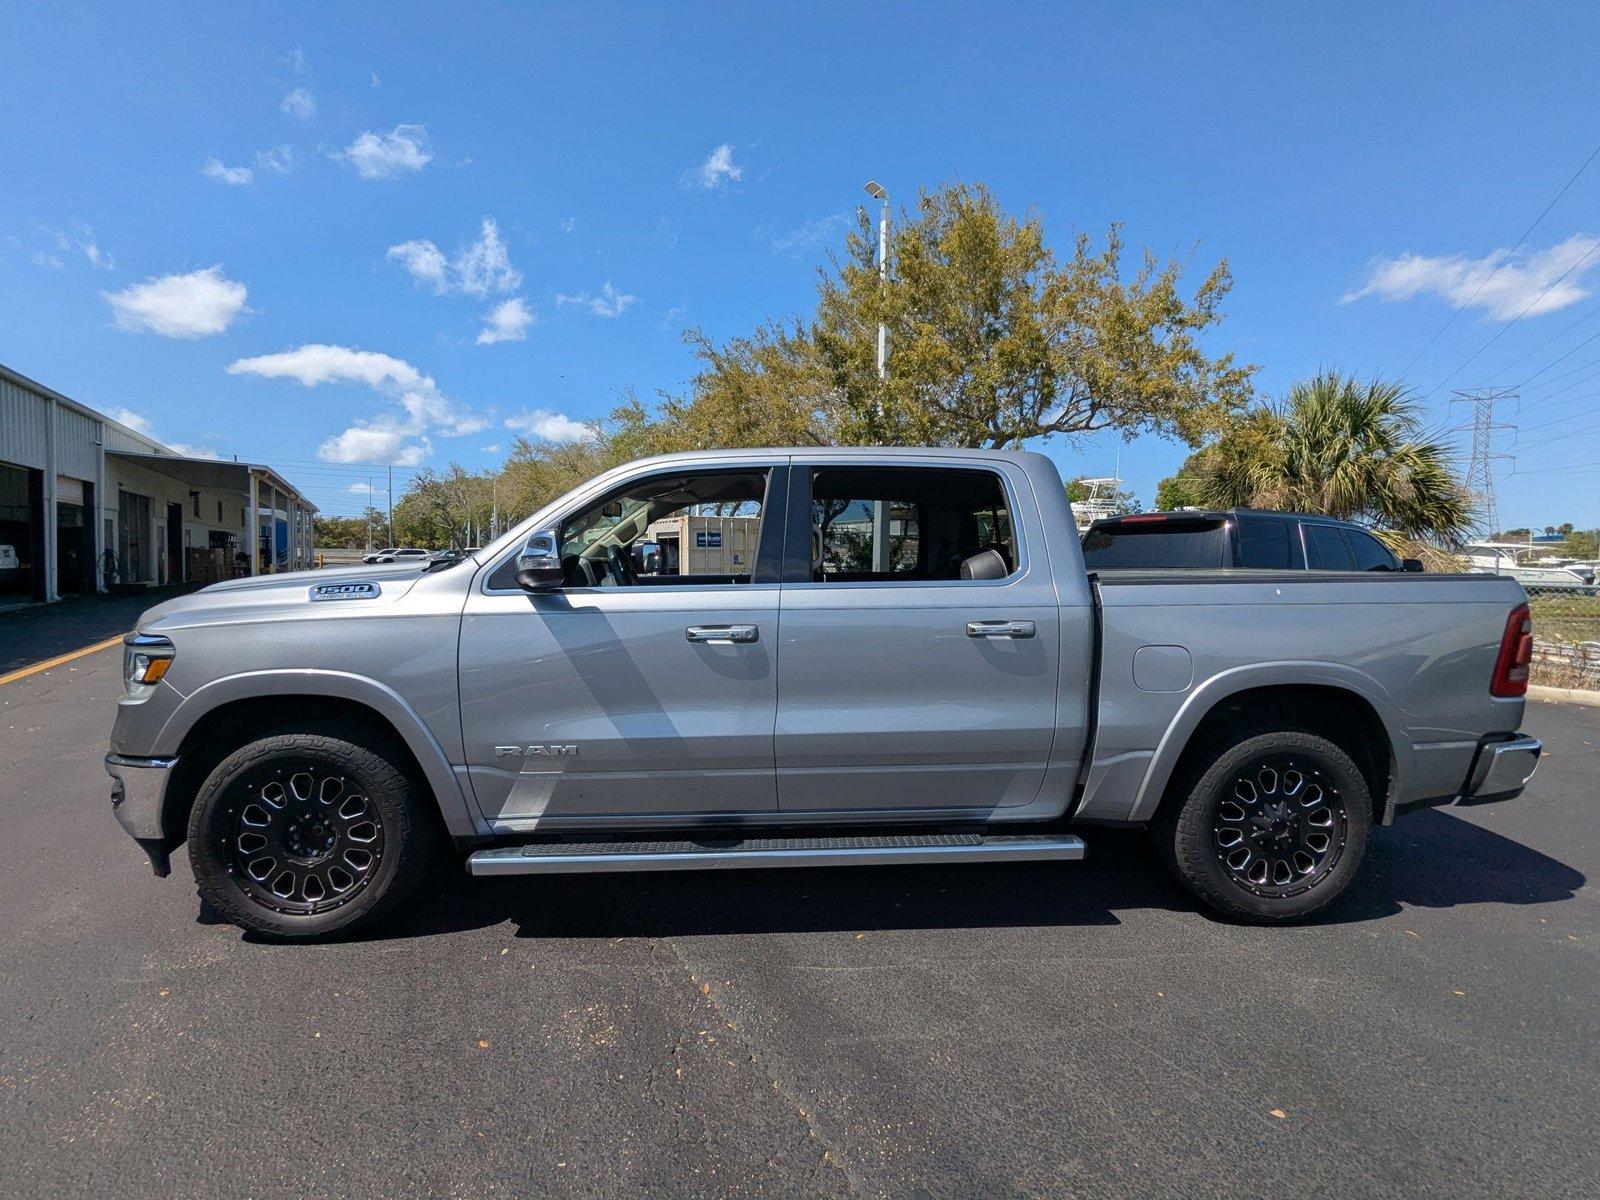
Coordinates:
(145, 660)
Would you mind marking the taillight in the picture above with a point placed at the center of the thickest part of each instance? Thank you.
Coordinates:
(1516, 652)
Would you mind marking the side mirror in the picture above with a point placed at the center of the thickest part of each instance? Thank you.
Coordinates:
(1411, 564)
(539, 564)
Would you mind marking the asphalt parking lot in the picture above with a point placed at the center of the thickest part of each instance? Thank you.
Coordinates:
(979, 1031)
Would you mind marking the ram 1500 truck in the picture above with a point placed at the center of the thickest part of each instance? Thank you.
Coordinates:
(804, 657)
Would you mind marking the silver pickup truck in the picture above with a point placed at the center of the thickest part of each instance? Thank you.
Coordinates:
(806, 657)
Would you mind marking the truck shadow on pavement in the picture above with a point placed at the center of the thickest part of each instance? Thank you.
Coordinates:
(1431, 860)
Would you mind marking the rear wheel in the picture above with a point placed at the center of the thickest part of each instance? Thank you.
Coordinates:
(303, 835)
(1269, 829)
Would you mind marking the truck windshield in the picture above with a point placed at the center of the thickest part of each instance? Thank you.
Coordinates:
(1164, 543)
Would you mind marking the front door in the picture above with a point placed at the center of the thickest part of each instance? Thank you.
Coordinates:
(920, 648)
(646, 685)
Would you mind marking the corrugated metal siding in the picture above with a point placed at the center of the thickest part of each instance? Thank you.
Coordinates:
(123, 442)
(76, 453)
(23, 424)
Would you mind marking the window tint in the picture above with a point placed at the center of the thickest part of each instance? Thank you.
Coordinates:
(1326, 550)
(1265, 544)
(894, 524)
(1183, 544)
(1370, 553)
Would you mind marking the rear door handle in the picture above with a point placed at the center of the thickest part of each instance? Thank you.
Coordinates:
(721, 633)
(1010, 629)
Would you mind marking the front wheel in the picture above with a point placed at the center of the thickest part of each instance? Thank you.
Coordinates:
(302, 835)
(1268, 829)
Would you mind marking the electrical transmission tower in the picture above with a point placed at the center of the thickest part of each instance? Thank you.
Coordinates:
(1480, 467)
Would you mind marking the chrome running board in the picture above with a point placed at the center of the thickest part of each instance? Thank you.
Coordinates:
(546, 858)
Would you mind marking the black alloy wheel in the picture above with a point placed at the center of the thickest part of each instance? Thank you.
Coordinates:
(301, 838)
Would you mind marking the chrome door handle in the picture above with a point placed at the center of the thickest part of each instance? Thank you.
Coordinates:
(1010, 629)
(721, 633)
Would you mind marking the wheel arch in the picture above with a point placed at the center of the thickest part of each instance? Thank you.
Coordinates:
(217, 719)
(1329, 699)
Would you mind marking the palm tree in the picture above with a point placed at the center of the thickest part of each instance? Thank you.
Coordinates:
(1344, 449)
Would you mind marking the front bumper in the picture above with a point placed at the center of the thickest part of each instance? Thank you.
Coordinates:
(1502, 769)
(138, 799)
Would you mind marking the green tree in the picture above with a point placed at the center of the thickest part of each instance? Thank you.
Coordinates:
(994, 341)
(441, 509)
(1341, 448)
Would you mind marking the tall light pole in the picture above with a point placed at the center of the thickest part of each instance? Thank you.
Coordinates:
(877, 192)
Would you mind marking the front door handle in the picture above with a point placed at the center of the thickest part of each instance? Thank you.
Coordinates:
(1010, 629)
(721, 633)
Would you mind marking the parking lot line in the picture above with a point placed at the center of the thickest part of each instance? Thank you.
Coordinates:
(58, 660)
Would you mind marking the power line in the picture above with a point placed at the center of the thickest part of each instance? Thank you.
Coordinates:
(1497, 334)
(1479, 477)
(1465, 304)
(1550, 341)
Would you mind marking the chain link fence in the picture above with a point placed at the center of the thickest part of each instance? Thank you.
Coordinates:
(1566, 636)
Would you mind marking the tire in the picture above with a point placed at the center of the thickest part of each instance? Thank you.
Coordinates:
(1269, 828)
(300, 836)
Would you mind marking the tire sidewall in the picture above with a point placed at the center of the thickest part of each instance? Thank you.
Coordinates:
(211, 825)
(1193, 850)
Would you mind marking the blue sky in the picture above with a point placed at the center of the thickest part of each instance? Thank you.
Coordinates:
(309, 235)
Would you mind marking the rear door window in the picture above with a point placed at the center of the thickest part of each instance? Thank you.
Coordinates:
(1326, 549)
(1182, 544)
(1268, 545)
(1370, 553)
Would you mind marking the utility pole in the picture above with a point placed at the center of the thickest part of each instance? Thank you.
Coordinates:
(877, 192)
(369, 514)
(882, 529)
(1480, 466)
(494, 507)
(391, 504)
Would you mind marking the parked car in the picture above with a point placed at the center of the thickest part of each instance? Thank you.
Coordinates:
(391, 554)
(913, 665)
(1236, 537)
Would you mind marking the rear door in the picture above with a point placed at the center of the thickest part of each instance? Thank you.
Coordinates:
(903, 685)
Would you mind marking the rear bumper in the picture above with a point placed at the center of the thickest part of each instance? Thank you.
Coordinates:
(138, 799)
(1502, 769)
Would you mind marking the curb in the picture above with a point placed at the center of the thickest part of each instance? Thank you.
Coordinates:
(1557, 695)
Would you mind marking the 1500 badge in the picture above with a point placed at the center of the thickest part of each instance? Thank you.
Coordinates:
(362, 590)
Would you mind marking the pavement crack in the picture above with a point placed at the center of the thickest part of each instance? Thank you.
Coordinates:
(833, 1154)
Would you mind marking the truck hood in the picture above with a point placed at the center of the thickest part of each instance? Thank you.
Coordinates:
(276, 597)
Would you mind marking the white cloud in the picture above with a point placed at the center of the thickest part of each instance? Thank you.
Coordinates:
(189, 451)
(279, 160)
(42, 258)
(508, 321)
(359, 488)
(811, 236)
(219, 172)
(718, 169)
(491, 448)
(485, 265)
(296, 58)
(671, 315)
(477, 269)
(425, 261)
(139, 423)
(568, 224)
(551, 426)
(299, 103)
(134, 421)
(98, 258)
(195, 305)
(374, 79)
(609, 303)
(396, 436)
(1501, 284)
(386, 155)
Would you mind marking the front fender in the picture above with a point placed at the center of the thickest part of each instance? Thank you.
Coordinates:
(460, 815)
(1224, 684)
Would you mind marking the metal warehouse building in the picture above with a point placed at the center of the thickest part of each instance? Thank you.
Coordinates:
(86, 502)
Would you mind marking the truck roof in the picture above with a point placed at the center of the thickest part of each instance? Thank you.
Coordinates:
(846, 453)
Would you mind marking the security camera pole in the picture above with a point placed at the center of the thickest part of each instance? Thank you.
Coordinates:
(881, 526)
(877, 192)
